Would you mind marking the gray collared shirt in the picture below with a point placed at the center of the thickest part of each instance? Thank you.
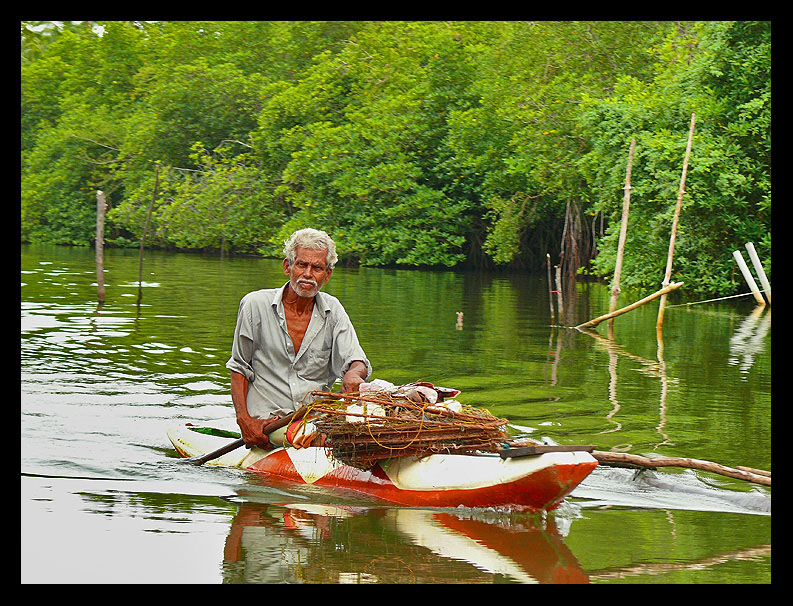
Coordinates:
(279, 378)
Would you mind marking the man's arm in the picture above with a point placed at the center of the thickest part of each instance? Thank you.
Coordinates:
(354, 376)
(250, 427)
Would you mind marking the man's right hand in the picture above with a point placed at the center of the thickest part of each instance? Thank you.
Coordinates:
(250, 427)
(252, 430)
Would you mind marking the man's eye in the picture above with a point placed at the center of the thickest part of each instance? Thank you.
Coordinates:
(302, 265)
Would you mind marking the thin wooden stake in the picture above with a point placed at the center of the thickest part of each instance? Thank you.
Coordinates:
(101, 207)
(143, 235)
(680, 193)
(619, 312)
(747, 275)
(550, 286)
(559, 301)
(626, 203)
(758, 267)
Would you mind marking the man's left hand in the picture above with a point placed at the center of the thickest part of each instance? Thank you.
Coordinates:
(354, 376)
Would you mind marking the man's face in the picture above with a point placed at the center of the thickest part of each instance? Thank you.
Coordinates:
(309, 272)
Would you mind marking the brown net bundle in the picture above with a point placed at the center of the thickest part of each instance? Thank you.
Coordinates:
(367, 427)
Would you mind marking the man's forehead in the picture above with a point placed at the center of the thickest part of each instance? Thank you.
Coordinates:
(311, 255)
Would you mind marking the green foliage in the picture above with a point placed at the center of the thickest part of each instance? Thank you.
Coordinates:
(226, 204)
(349, 136)
(413, 143)
(727, 190)
(525, 137)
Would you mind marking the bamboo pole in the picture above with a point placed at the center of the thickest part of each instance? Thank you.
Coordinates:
(101, 207)
(145, 229)
(747, 275)
(758, 267)
(626, 202)
(680, 193)
(623, 458)
(619, 312)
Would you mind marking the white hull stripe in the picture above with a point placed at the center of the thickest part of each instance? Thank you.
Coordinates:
(312, 463)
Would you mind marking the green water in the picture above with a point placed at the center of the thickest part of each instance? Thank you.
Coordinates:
(104, 498)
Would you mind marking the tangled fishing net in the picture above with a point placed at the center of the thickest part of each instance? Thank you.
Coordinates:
(415, 420)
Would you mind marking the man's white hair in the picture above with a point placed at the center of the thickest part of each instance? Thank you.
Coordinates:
(313, 239)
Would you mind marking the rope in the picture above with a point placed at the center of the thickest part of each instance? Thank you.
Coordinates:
(391, 448)
(710, 300)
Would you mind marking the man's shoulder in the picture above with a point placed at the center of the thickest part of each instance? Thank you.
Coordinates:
(263, 296)
(328, 301)
(262, 293)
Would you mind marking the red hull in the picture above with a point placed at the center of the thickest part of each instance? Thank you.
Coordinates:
(542, 490)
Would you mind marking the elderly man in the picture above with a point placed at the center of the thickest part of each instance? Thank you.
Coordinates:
(292, 340)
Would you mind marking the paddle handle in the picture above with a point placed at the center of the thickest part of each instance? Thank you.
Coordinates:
(298, 414)
(218, 453)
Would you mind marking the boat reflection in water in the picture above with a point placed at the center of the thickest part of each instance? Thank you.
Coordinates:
(342, 544)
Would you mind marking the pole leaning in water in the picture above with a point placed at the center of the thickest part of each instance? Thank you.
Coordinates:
(627, 308)
(747, 275)
(680, 193)
(758, 267)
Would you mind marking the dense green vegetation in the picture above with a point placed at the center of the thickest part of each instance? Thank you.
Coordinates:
(483, 144)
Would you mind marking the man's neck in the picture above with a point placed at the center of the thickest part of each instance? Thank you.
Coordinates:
(297, 304)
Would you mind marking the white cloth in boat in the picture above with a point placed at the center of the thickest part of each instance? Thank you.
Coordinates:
(262, 351)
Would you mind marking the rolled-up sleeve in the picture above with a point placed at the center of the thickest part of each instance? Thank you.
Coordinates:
(347, 349)
(242, 346)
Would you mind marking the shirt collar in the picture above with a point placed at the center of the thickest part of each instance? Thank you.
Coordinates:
(320, 300)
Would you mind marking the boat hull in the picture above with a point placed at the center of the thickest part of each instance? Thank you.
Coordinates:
(532, 483)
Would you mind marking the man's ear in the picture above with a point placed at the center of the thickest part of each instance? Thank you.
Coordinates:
(286, 266)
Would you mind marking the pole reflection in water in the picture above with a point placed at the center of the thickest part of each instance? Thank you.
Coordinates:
(749, 339)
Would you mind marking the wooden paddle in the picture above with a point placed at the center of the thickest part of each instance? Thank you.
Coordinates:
(298, 414)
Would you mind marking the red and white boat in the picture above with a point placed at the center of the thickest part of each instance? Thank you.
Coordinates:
(533, 483)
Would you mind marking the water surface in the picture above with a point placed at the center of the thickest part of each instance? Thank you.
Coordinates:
(104, 498)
